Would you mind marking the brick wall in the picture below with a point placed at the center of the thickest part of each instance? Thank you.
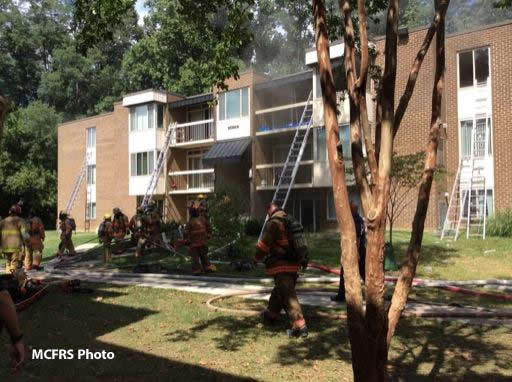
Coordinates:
(413, 133)
(111, 164)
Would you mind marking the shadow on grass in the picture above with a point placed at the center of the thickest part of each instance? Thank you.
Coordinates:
(422, 350)
(78, 321)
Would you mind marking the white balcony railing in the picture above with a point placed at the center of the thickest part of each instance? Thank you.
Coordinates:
(192, 181)
(279, 118)
(267, 175)
(194, 132)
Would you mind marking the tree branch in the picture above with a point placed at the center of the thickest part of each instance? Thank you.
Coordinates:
(408, 269)
(353, 292)
(415, 69)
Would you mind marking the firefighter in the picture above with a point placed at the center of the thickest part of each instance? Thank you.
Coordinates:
(153, 226)
(13, 234)
(272, 249)
(105, 234)
(140, 231)
(203, 205)
(35, 249)
(197, 232)
(120, 227)
(133, 225)
(66, 233)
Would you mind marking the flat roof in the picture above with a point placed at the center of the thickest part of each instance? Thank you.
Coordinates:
(284, 80)
(192, 100)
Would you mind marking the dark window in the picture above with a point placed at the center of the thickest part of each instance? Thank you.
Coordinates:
(160, 116)
(465, 69)
(481, 66)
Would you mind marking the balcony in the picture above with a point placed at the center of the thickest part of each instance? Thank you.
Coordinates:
(192, 182)
(279, 119)
(267, 175)
(194, 134)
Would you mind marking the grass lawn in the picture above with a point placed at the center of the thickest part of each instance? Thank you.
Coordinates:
(171, 336)
(460, 260)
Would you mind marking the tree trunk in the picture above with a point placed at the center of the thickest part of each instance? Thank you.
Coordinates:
(353, 293)
(408, 269)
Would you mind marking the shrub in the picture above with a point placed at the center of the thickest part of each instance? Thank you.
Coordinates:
(252, 227)
(500, 224)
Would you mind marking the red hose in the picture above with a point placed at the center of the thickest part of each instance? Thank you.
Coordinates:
(421, 282)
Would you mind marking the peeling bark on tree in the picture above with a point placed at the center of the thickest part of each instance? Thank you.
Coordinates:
(408, 269)
(353, 293)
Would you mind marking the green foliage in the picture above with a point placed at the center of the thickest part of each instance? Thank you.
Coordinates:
(188, 46)
(252, 227)
(96, 21)
(500, 224)
(224, 208)
(28, 160)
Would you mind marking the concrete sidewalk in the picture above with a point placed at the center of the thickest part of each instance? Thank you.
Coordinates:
(214, 285)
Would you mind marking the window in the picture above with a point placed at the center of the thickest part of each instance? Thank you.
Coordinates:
(234, 104)
(91, 211)
(91, 174)
(160, 116)
(483, 135)
(345, 141)
(142, 117)
(321, 149)
(474, 68)
(142, 163)
(91, 137)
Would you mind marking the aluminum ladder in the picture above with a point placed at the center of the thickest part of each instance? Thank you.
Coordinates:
(468, 201)
(291, 165)
(76, 186)
(170, 136)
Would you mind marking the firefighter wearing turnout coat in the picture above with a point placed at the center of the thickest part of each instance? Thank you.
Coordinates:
(13, 236)
(66, 227)
(35, 249)
(274, 249)
(105, 234)
(197, 232)
(120, 225)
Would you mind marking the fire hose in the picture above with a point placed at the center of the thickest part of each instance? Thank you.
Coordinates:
(446, 285)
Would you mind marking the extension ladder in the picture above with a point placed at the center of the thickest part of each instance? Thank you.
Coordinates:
(468, 200)
(291, 165)
(76, 186)
(170, 137)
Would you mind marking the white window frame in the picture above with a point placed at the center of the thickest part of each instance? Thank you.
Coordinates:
(472, 50)
(88, 135)
(224, 94)
(150, 170)
(91, 211)
(93, 178)
(152, 120)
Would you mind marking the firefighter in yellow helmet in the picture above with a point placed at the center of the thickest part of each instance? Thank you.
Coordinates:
(35, 249)
(105, 234)
(13, 234)
(197, 232)
(203, 205)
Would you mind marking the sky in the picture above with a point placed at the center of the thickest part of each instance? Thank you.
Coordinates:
(141, 10)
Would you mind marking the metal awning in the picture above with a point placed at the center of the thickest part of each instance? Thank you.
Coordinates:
(227, 151)
(189, 101)
(285, 80)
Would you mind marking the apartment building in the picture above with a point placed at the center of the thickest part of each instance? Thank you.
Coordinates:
(240, 138)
